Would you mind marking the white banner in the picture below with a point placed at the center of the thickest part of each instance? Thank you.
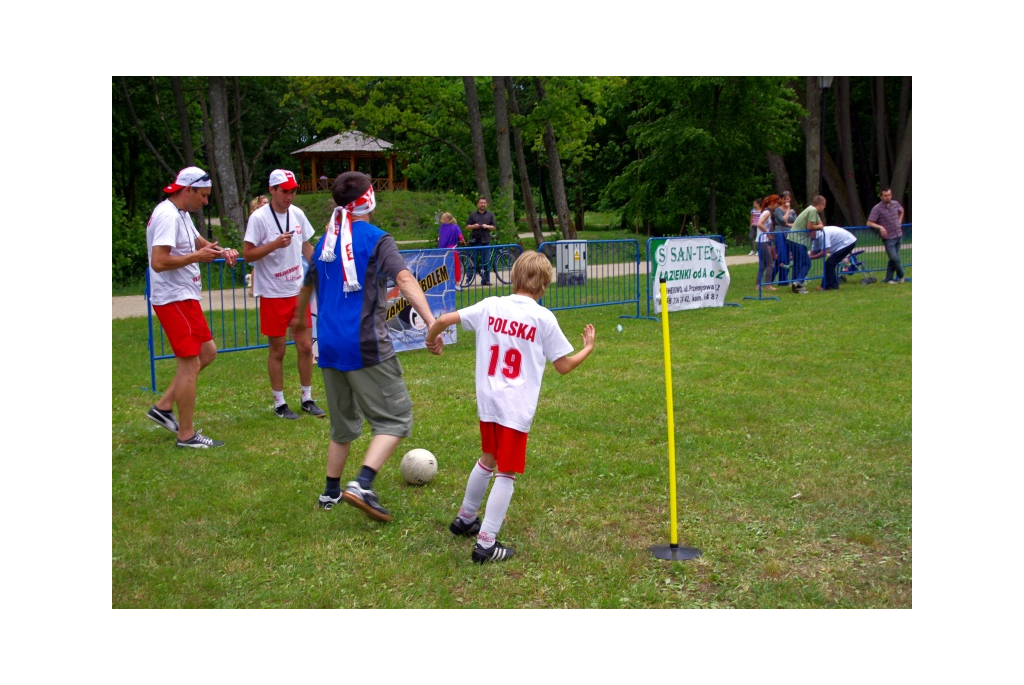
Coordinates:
(695, 272)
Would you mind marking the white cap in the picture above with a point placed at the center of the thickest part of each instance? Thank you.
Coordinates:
(190, 176)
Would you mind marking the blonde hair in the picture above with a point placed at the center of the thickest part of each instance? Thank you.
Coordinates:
(447, 218)
(257, 202)
(532, 273)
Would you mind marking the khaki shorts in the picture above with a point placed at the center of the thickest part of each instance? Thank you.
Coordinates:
(376, 393)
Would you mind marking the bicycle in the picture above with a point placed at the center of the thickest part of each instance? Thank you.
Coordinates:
(499, 261)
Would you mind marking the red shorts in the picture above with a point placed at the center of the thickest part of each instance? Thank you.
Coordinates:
(185, 326)
(276, 313)
(506, 444)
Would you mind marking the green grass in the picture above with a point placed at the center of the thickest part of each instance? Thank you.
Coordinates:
(793, 451)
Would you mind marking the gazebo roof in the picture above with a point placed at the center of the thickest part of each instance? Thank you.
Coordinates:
(350, 141)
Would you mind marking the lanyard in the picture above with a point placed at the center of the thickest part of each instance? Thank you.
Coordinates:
(287, 219)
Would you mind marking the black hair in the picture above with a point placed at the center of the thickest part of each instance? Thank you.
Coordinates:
(349, 185)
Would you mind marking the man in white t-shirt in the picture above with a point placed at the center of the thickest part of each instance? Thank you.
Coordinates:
(175, 250)
(838, 243)
(515, 338)
(276, 242)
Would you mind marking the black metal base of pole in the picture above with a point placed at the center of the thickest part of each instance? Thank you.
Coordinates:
(674, 552)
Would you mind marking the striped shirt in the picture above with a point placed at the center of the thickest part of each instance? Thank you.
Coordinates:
(888, 216)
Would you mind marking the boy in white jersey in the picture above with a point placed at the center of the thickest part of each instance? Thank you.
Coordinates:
(277, 240)
(515, 338)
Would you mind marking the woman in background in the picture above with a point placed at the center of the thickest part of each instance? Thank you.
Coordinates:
(765, 246)
(450, 236)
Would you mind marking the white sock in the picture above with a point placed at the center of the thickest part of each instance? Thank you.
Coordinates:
(497, 505)
(307, 393)
(278, 398)
(475, 489)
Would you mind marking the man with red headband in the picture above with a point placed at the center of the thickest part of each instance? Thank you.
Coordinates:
(362, 376)
(175, 250)
(276, 241)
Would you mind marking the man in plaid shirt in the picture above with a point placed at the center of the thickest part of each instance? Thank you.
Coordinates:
(886, 218)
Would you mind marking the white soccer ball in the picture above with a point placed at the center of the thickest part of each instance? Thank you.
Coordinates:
(418, 466)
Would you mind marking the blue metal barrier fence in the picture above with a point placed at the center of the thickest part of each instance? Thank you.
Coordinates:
(230, 310)
(781, 259)
(593, 273)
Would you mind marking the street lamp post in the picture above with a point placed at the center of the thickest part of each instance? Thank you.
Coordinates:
(825, 82)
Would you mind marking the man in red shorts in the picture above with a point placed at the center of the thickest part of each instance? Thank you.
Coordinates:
(276, 241)
(175, 250)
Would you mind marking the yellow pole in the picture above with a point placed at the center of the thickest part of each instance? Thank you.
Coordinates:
(674, 539)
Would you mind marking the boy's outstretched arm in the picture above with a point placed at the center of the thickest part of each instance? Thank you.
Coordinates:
(567, 363)
(440, 323)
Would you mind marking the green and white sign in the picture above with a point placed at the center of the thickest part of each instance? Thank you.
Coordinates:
(695, 272)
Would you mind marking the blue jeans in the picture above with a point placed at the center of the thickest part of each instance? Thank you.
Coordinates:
(764, 262)
(481, 258)
(781, 273)
(832, 266)
(801, 262)
(892, 249)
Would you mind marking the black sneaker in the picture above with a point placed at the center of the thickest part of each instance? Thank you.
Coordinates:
(164, 418)
(459, 527)
(498, 552)
(200, 441)
(328, 502)
(794, 287)
(309, 406)
(285, 413)
(365, 500)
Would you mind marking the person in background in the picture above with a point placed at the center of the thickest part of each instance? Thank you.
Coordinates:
(450, 236)
(838, 243)
(276, 242)
(481, 225)
(886, 217)
(800, 240)
(765, 248)
(784, 217)
(755, 214)
(175, 251)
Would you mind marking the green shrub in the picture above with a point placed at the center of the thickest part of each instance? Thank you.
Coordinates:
(128, 245)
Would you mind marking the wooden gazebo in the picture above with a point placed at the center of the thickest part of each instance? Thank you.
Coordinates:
(353, 149)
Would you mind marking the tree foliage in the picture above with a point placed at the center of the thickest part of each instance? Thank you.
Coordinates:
(668, 154)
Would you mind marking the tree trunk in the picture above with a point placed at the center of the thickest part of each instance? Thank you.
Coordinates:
(243, 167)
(881, 125)
(222, 151)
(211, 160)
(580, 212)
(545, 196)
(183, 122)
(506, 186)
(811, 125)
(846, 151)
(904, 114)
(777, 166)
(555, 170)
(524, 174)
(712, 204)
(476, 134)
(834, 180)
(901, 168)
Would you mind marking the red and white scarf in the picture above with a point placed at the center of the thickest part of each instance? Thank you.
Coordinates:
(341, 223)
